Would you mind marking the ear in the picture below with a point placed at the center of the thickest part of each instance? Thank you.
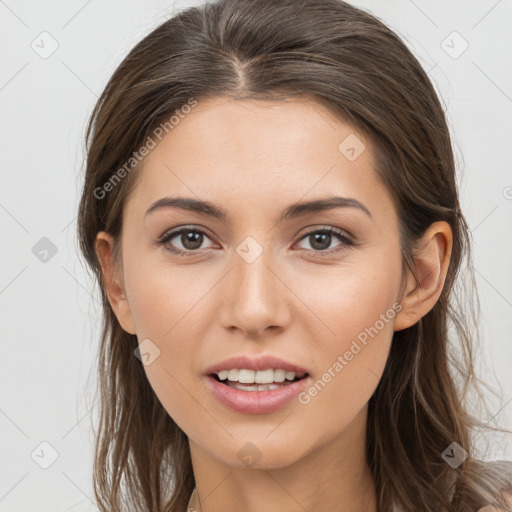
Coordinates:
(432, 258)
(113, 282)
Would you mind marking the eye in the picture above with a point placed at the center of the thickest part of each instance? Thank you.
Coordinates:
(188, 241)
(321, 239)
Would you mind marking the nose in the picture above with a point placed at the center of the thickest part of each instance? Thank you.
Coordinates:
(255, 297)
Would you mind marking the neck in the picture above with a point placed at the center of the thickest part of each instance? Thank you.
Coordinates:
(333, 477)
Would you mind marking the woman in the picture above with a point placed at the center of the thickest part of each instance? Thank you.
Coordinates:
(270, 206)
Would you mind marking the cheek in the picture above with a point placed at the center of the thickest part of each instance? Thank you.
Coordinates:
(163, 296)
(357, 307)
(350, 370)
(351, 297)
(169, 306)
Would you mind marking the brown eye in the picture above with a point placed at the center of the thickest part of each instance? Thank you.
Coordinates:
(191, 240)
(321, 239)
(186, 241)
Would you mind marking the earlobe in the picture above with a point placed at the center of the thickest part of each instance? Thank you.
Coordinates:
(113, 283)
(432, 259)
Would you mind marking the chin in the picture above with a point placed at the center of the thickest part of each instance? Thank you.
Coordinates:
(263, 453)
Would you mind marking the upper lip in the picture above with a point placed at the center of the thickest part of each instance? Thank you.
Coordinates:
(259, 363)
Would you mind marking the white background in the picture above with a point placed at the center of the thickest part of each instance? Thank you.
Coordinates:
(50, 312)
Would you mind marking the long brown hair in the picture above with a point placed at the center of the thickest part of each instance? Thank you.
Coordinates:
(352, 63)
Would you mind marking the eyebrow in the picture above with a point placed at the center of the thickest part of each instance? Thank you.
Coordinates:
(291, 212)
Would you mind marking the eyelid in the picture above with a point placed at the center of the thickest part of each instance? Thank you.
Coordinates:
(346, 239)
(174, 232)
(330, 229)
(191, 227)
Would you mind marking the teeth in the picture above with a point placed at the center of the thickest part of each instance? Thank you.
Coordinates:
(246, 376)
(269, 376)
(258, 387)
(233, 375)
(223, 374)
(280, 375)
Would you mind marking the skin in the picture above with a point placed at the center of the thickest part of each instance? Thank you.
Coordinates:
(254, 159)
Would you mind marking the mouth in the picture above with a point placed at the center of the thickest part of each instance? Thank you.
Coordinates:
(249, 380)
(256, 385)
(256, 391)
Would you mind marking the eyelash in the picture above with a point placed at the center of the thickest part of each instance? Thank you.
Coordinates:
(347, 241)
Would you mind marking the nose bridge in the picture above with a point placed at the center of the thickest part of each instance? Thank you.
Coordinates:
(254, 298)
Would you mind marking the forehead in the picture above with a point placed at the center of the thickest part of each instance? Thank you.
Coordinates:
(254, 154)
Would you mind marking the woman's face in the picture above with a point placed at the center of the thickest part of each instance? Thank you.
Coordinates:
(265, 280)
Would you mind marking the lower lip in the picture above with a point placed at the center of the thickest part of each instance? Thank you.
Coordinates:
(255, 402)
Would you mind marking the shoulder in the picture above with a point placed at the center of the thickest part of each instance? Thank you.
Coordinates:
(489, 508)
(504, 467)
